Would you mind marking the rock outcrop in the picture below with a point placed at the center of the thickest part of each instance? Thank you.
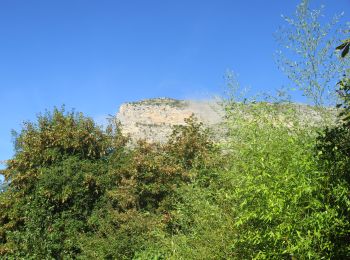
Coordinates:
(153, 119)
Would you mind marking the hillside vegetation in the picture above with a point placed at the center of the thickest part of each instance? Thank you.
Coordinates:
(277, 188)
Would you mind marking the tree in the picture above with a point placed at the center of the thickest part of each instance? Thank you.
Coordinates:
(53, 186)
(307, 55)
(344, 87)
(142, 190)
(333, 147)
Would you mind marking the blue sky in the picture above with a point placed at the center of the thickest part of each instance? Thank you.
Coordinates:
(95, 55)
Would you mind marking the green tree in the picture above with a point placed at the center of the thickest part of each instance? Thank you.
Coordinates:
(344, 87)
(53, 186)
(142, 190)
(274, 185)
(333, 146)
(306, 53)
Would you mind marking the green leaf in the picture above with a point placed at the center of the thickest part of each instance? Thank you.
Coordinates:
(341, 46)
(345, 51)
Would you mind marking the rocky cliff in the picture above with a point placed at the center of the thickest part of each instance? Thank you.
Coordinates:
(153, 119)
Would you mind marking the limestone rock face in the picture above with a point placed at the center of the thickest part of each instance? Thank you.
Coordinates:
(153, 119)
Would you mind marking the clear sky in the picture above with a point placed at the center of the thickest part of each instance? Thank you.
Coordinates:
(93, 55)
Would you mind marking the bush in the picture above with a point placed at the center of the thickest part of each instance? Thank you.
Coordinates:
(333, 147)
(137, 209)
(266, 201)
(275, 186)
(76, 191)
(53, 185)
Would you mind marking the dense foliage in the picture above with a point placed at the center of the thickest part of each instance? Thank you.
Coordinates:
(273, 188)
(76, 190)
(277, 187)
(334, 157)
(53, 185)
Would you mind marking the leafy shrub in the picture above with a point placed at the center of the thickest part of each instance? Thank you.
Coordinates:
(265, 201)
(53, 186)
(333, 147)
(137, 209)
(78, 192)
(276, 187)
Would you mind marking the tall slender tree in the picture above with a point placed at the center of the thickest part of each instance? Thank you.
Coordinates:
(306, 52)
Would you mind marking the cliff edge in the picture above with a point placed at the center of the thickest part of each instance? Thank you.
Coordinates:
(153, 119)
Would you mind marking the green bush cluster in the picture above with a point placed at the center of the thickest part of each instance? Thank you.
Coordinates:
(274, 188)
(78, 191)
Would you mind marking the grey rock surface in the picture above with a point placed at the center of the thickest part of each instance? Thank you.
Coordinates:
(153, 119)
